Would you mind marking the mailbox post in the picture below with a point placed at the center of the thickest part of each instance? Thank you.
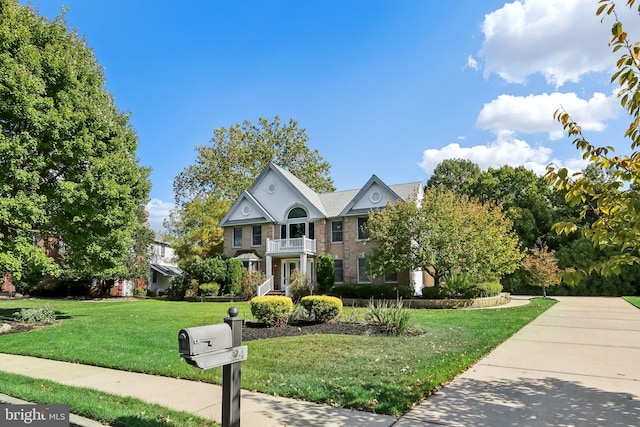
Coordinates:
(219, 345)
(231, 375)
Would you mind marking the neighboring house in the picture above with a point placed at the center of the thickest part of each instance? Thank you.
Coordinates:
(280, 225)
(163, 265)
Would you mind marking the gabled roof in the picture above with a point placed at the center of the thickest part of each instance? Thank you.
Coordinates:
(262, 214)
(373, 180)
(298, 186)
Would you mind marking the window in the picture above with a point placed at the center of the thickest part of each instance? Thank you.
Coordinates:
(162, 249)
(154, 276)
(362, 228)
(237, 237)
(363, 271)
(391, 277)
(297, 213)
(336, 231)
(338, 270)
(256, 239)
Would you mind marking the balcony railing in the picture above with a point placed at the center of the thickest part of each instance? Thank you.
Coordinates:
(291, 246)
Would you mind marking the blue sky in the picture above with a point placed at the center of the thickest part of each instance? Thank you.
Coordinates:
(384, 87)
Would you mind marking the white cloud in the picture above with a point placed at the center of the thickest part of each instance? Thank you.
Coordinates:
(561, 40)
(505, 150)
(534, 113)
(472, 63)
(158, 211)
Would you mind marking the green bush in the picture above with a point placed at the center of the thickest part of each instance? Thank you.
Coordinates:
(209, 289)
(433, 292)
(271, 310)
(44, 314)
(139, 292)
(371, 291)
(394, 318)
(321, 307)
(460, 285)
(325, 273)
(489, 289)
(233, 285)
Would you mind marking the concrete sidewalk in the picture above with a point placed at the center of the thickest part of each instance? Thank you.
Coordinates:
(578, 364)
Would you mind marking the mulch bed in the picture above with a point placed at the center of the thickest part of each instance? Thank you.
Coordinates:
(257, 331)
(17, 327)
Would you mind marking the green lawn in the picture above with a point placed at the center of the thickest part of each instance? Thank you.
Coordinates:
(115, 410)
(379, 374)
(633, 300)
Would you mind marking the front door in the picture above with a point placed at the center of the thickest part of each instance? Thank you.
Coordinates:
(288, 268)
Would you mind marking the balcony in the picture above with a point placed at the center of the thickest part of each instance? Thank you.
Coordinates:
(296, 246)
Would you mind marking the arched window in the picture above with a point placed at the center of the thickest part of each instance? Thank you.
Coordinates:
(297, 213)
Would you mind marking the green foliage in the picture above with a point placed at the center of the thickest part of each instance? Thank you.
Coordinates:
(325, 274)
(209, 289)
(367, 291)
(250, 282)
(139, 292)
(45, 314)
(455, 175)
(612, 203)
(239, 153)
(459, 285)
(488, 289)
(272, 310)
(448, 233)
(394, 317)
(68, 156)
(233, 285)
(321, 307)
(193, 229)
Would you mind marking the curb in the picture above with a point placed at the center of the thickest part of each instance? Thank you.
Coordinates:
(74, 420)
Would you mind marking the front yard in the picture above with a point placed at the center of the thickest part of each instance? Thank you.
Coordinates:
(381, 374)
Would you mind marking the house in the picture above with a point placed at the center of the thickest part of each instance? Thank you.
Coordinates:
(280, 225)
(163, 265)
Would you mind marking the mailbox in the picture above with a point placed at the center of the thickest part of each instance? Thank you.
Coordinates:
(209, 346)
(204, 339)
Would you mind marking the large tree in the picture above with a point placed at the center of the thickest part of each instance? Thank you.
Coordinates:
(454, 174)
(193, 229)
(239, 153)
(447, 233)
(615, 203)
(69, 176)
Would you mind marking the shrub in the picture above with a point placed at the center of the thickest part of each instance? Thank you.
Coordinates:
(299, 286)
(394, 318)
(321, 307)
(44, 314)
(250, 282)
(433, 292)
(460, 285)
(139, 292)
(271, 310)
(152, 293)
(234, 277)
(489, 289)
(209, 289)
(325, 273)
(371, 291)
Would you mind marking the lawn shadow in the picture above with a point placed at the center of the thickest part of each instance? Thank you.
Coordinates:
(524, 402)
(8, 313)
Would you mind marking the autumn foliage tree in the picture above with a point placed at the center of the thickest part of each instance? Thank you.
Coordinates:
(615, 203)
(541, 268)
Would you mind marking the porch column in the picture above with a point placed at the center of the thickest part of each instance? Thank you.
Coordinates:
(269, 267)
(303, 263)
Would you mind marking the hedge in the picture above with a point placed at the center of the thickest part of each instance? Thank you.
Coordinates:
(272, 310)
(322, 307)
(366, 291)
